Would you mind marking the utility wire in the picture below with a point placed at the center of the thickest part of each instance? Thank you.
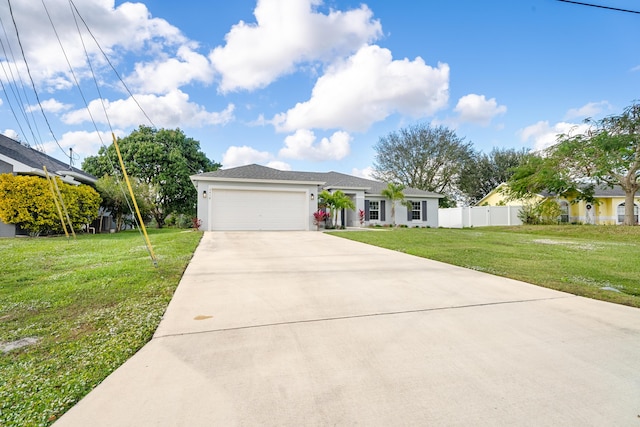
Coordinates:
(140, 224)
(15, 89)
(95, 80)
(111, 65)
(600, 6)
(13, 111)
(33, 85)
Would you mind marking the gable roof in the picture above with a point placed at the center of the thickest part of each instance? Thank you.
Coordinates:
(27, 161)
(600, 191)
(327, 180)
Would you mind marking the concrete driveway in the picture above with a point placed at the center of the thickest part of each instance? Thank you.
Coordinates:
(303, 328)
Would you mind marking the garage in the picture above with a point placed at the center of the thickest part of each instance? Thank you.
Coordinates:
(264, 209)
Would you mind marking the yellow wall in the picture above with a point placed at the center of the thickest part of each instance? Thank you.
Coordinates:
(605, 210)
(496, 198)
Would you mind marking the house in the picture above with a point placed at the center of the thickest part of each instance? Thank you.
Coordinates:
(608, 207)
(256, 197)
(19, 159)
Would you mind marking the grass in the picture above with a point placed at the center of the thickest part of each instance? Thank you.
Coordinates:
(598, 262)
(90, 303)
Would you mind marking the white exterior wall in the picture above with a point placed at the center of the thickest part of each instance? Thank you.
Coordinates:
(204, 204)
(401, 213)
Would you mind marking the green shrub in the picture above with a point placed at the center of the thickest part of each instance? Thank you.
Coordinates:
(546, 212)
(27, 201)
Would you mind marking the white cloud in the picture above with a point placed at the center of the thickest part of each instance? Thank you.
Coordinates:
(83, 143)
(241, 156)
(164, 75)
(542, 135)
(478, 109)
(287, 33)
(636, 68)
(137, 32)
(49, 106)
(169, 111)
(302, 146)
(588, 110)
(366, 173)
(11, 134)
(366, 88)
(276, 164)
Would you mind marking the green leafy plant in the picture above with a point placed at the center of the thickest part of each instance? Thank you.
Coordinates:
(336, 201)
(27, 201)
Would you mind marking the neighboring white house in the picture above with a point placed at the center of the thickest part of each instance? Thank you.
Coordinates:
(256, 197)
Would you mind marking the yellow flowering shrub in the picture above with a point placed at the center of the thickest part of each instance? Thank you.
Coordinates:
(27, 201)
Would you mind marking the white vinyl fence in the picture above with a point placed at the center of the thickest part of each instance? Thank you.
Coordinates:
(478, 216)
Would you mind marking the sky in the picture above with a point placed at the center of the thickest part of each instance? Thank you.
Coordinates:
(311, 85)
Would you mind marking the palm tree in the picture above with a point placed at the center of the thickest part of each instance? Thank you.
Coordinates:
(336, 201)
(394, 192)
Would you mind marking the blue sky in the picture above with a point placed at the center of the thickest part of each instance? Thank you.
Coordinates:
(311, 85)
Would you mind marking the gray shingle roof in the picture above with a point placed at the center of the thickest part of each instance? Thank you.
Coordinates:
(600, 191)
(333, 180)
(35, 159)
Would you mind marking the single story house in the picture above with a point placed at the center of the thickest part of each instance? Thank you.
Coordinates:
(255, 197)
(19, 159)
(608, 207)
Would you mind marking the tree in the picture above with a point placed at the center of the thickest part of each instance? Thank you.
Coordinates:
(394, 192)
(163, 159)
(484, 172)
(27, 202)
(116, 198)
(423, 157)
(336, 201)
(608, 153)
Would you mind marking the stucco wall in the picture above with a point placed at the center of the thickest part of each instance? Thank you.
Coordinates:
(401, 213)
(209, 186)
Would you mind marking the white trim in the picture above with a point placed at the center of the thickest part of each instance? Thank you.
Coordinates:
(257, 188)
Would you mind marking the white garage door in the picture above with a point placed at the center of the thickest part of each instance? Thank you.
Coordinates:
(258, 210)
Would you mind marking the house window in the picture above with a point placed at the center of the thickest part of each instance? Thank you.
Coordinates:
(621, 213)
(564, 209)
(415, 210)
(374, 210)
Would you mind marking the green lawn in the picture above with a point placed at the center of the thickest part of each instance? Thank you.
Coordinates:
(601, 262)
(91, 303)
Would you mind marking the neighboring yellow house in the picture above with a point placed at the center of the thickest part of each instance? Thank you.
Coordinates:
(607, 209)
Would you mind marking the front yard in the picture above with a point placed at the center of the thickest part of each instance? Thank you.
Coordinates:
(83, 307)
(600, 262)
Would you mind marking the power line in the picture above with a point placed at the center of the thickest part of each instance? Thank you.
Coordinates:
(32, 81)
(600, 6)
(12, 82)
(110, 64)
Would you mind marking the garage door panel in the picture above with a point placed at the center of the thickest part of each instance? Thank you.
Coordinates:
(233, 209)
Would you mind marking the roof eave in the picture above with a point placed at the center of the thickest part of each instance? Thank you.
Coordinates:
(196, 178)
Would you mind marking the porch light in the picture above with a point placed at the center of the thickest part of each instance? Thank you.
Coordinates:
(204, 194)
(313, 197)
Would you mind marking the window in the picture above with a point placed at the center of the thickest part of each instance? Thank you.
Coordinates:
(374, 210)
(415, 210)
(621, 213)
(564, 209)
